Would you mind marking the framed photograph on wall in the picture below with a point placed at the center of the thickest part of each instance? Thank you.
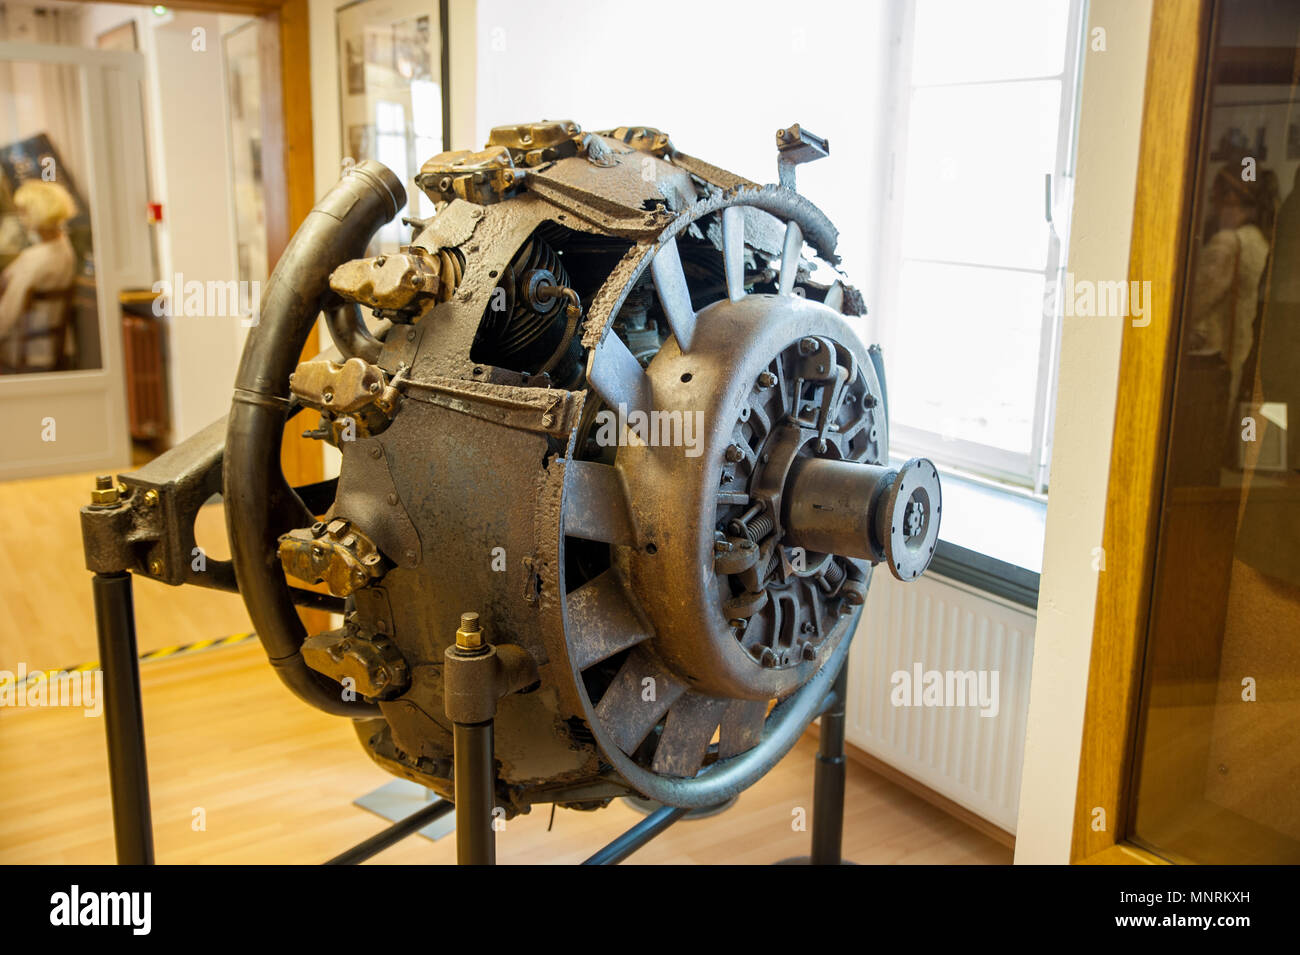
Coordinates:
(393, 104)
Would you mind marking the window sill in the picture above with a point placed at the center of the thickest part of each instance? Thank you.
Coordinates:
(991, 539)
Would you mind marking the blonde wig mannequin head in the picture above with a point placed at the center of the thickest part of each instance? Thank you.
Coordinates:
(44, 206)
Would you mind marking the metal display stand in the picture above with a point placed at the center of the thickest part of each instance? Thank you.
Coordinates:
(475, 799)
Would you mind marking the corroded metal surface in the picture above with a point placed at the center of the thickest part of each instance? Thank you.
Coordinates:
(589, 439)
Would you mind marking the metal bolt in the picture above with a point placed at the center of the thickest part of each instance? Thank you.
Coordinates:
(548, 420)
(735, 453)
(808, 346)
(809, 652)
(470, 634)
(913, 518)
(806, 627)
(151, 497)
(156, 566)
(767, 659)
(410, 335)
(376, 452)
(105, 491)
(766, 380)
(392, 499)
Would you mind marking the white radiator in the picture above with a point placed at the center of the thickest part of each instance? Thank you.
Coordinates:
(970, 639)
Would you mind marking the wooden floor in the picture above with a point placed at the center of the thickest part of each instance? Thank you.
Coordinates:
(275, 781)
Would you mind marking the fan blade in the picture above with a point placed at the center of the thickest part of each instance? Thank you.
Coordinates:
(601, 621)
(674, 294)
(687, 733)
(618, 377)
(790, 257)
(595, 508)
(742, 727)
(733, 251)
(637, 699)
(835, 296)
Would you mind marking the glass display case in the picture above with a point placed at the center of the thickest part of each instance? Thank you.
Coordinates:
(1216, 775)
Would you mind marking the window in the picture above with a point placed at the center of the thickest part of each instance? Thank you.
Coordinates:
(976, 228)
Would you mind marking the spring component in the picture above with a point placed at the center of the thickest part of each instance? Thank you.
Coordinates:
(759, 527)
(833, 574)
(527, 316)
(452, 271)
(773, 562)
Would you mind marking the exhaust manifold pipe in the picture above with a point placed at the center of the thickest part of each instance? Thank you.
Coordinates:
(259, 503)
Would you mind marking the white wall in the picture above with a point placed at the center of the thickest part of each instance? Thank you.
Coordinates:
(189, 165)
(720, 79)
(1109, 130)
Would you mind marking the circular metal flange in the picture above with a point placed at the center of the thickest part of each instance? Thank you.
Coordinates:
(909, 519)
(679, 499)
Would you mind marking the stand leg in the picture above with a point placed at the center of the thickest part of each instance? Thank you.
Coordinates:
(123, 719)
(828, 781)
(475, 795)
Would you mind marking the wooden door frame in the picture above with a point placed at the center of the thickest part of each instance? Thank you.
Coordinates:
(1177, 61)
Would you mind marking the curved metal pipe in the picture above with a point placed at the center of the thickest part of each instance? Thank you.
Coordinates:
(260, 504)
(349, 332)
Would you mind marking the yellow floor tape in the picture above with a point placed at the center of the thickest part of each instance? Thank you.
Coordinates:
(230, 641)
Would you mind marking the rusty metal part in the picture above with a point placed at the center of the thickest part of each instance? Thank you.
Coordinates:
(358, 399)
(643, 139)
(398, 282)
(533, 144)
(260, 505)
(157, 539)
(337, 553)
(619, 491)
(794, 146)
(477, 674)
(481, 177)
(372, 666)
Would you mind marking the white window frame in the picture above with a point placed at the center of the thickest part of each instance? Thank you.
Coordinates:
(1022, 472)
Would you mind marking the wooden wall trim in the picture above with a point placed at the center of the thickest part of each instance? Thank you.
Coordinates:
(917, 788)
(288, 176)
(1178, 51)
